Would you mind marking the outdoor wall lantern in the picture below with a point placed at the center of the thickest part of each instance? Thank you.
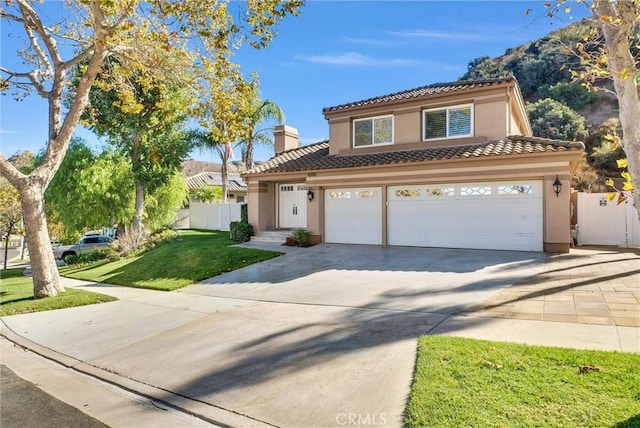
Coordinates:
(557, 186)
(310, 195)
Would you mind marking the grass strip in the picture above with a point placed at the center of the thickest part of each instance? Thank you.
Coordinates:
(16, 296)
(194, 256)
(474, 383)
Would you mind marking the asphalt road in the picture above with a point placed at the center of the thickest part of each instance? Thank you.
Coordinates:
(23, 404)
(10, 255)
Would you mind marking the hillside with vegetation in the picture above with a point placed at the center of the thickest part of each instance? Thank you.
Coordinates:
(560, 106)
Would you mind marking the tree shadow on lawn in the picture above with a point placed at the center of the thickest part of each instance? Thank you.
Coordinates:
(632, 422)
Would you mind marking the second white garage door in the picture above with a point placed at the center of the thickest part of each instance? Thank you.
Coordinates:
(353, 215)
(502, 216)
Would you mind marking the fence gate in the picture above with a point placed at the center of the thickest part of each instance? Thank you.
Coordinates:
(604, 222)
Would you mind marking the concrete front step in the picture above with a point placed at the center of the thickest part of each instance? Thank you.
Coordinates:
(271, 236)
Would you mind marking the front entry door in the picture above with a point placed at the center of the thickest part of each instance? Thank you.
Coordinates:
(292, 206)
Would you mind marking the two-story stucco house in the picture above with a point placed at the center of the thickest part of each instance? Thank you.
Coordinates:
(445, 165)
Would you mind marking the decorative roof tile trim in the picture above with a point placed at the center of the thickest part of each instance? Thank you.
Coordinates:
(234, 181)
(436, 88)
(316, 156)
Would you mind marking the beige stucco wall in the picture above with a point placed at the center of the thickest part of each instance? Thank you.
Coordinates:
(556, 210)
(339, 135)
(261, 204)
(498, 113)
(315, 218)
(557, 214)
(490, 119)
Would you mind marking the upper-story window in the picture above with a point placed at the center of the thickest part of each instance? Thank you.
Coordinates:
(373, 131)
(448, 122)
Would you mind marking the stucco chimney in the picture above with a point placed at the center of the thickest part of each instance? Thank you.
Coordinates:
(286, 138)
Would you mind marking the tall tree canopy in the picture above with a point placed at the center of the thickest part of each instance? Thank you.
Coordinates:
(261, 112)
(91, 190)
(616, 57)
(142, 113)
(84, 33)
(552, 119)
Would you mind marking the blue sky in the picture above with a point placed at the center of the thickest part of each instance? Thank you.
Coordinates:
(341, 51)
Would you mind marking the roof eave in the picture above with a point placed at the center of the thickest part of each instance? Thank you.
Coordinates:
(334, 111)
(571, 153)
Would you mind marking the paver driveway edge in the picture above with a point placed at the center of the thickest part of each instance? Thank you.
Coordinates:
(212, 414)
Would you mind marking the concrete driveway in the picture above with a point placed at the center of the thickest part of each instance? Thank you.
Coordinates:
(319, 337)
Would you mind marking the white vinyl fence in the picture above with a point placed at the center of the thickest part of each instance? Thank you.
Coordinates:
(604, 222)
(207, 216)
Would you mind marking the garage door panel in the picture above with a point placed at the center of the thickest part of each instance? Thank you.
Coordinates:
(471, 215)
(353, 216)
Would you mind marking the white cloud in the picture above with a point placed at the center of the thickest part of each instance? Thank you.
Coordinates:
(356, 59)
(366, 41)
(6, 132)
(441, 35)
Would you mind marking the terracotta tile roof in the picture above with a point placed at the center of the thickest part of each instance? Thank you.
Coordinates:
(423, 91)
(317, 157)
(235, 183)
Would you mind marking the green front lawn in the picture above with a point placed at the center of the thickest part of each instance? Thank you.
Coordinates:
(16, 296)
(472, 383)
(193, 257)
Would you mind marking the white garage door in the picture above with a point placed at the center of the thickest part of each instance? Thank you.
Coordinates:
(353, 216)
(503, 216)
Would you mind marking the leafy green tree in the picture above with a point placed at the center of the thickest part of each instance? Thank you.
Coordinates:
(10, 214)
(262, 112)
(161, 205)
(91, 191)
(484, 67)
(617, 58)
(606, 155)
(142, 115)
(551, 119)
(572, 94)
(200, 30)
(603, 152)
(208, 194)
(224, 113)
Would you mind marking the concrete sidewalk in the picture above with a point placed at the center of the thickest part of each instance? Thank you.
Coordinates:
(308, 345)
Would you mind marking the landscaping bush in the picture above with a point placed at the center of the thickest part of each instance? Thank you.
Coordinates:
(130, 241)
(299, 238)
(100, 254)
(240, 231)
(244, 213)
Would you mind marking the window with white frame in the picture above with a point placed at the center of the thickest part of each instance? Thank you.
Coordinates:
(373, 131)
(448, 122)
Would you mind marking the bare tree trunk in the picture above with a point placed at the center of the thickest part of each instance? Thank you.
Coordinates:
(23, 245)
(136, 226)
(6, 248)
(622, 67)
(247, 154)
(223, 173)
(139, 208)
(46, 280)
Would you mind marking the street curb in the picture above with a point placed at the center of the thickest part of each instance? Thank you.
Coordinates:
(207, 412)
